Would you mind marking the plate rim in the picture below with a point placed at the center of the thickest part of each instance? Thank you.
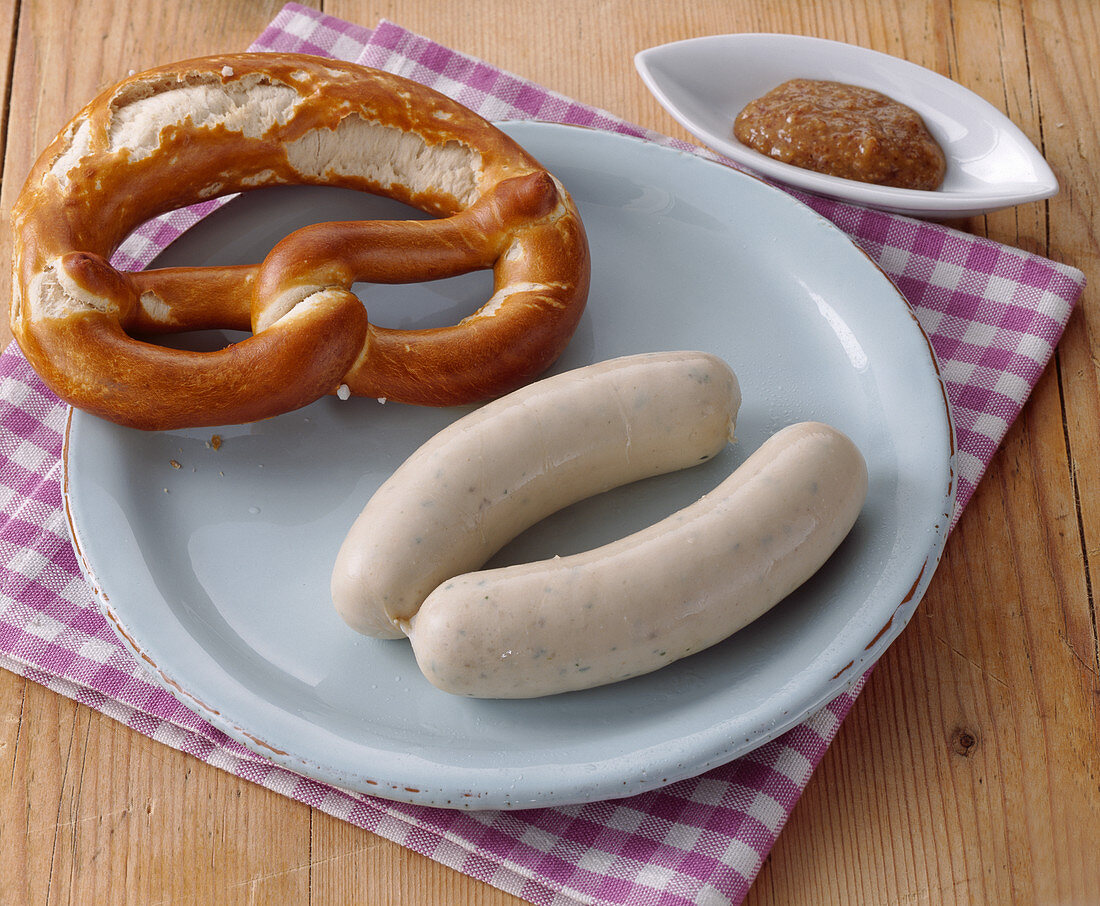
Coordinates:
(580, 791)
(911, 202)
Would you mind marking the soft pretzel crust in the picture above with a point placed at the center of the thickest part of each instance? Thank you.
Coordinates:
(175, 135)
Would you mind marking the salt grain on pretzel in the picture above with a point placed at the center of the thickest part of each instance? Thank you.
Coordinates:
(179, 134)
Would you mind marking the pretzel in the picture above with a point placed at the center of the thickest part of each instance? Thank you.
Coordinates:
(179, 134)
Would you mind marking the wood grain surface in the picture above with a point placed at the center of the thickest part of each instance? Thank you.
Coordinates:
(968, 771)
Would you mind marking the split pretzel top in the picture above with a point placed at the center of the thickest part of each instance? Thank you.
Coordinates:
(178, 134)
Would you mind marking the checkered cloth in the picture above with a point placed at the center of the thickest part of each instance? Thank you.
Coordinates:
(994, 315)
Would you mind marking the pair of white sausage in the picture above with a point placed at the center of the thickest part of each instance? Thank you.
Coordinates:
(481, 481)
(623, 609)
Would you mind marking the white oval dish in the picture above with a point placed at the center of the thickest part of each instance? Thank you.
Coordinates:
(705, 82)
(217, 572)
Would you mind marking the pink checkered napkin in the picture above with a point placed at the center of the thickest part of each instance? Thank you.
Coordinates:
(993, 313)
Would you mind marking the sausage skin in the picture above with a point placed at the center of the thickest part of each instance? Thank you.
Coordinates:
(646, 600)
(492, 474)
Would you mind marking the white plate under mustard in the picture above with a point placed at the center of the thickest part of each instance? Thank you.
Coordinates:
(705, 82)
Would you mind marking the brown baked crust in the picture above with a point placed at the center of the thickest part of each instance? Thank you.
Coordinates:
(171, 136)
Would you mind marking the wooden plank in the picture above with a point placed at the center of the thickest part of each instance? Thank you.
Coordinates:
(8, 19)
(97, 813)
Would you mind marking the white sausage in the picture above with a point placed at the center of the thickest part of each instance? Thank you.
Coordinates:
(494, 473)
(644, 601)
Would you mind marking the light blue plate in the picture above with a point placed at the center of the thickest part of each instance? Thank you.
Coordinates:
(218, 571)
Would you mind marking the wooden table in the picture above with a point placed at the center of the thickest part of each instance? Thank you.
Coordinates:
(969, 769)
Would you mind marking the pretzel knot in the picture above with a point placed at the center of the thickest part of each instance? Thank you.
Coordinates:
(179, 134)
